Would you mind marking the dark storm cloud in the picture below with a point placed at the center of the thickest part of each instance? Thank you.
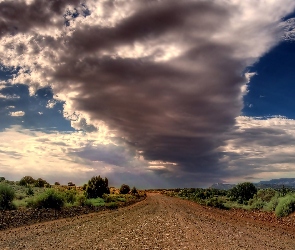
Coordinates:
(172, 111)
(18, 16)
(109, 154)
(150, 21)
(170, 107)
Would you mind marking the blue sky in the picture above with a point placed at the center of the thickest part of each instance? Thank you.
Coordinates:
(151, 94)
(271, 90)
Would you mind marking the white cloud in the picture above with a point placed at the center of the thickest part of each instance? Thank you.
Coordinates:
(51, 104)
(57, 156)
(289, 28)
(14, 96)
(17, 113)
(261, 148)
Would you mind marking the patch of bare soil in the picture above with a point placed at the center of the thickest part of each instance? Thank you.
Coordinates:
(159, 222)
(26, 217)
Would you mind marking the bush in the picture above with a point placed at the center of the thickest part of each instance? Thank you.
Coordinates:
(124, 189)
(26, 180)
(286, 206)
(243, 192)
(40, 182)
(2, 179)
(134, 191)
(30, 191)
(265, 194)
(112, 205)
(49, 199)
(70, 196)
(95, 202)
(56, 183)
(215, 202)
(256, 204)
(81, 200)
(7, 195)
(271, 206)
(96, 187)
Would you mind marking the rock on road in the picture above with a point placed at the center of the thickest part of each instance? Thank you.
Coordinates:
(159, 222)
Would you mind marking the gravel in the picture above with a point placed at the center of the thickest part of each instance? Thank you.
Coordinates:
(159, 222)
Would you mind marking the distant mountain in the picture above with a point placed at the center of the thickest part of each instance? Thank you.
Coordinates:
(274, 183)
(277, 183)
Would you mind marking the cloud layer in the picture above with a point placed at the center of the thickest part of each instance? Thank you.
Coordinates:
(166, 77)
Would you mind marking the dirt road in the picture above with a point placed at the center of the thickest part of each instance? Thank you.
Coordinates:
(159, 222)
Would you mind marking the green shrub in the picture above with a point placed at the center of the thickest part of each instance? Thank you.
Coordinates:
(19, 196)
(81, 200)
(20, 203)
(96, 187)
(215, 202)
(7, 195)
(112, 205)
(265, 194)
(30, 191)
(124, 189)
(134, 191)
(285, 206)
(256, 204)
(49, 199)
(26, 180)
(272, 204)
(2, 179)
(70, 196)
(40, 182)
(242, 192)
(96, 202)
(108, 198)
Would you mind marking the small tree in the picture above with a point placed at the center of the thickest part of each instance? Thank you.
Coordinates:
(26, 180)
(2, 179)
(40, 182)
(134, 191)
(50, 199)
(96, 187)
(7, 195)
(124, 189)
(242, 192)
(56, 183)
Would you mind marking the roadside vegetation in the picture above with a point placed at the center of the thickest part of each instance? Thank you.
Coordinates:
(38, 193)
(245, 195)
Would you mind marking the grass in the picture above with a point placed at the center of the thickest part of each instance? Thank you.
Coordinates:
(97, 202)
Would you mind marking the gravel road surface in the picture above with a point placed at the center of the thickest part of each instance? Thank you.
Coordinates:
(159, 222)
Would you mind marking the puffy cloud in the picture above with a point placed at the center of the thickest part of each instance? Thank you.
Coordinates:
(51, 104)
(289, 27)
(164, 76)
(17, 113)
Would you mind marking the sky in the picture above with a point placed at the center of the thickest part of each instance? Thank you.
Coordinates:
(154, 94)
